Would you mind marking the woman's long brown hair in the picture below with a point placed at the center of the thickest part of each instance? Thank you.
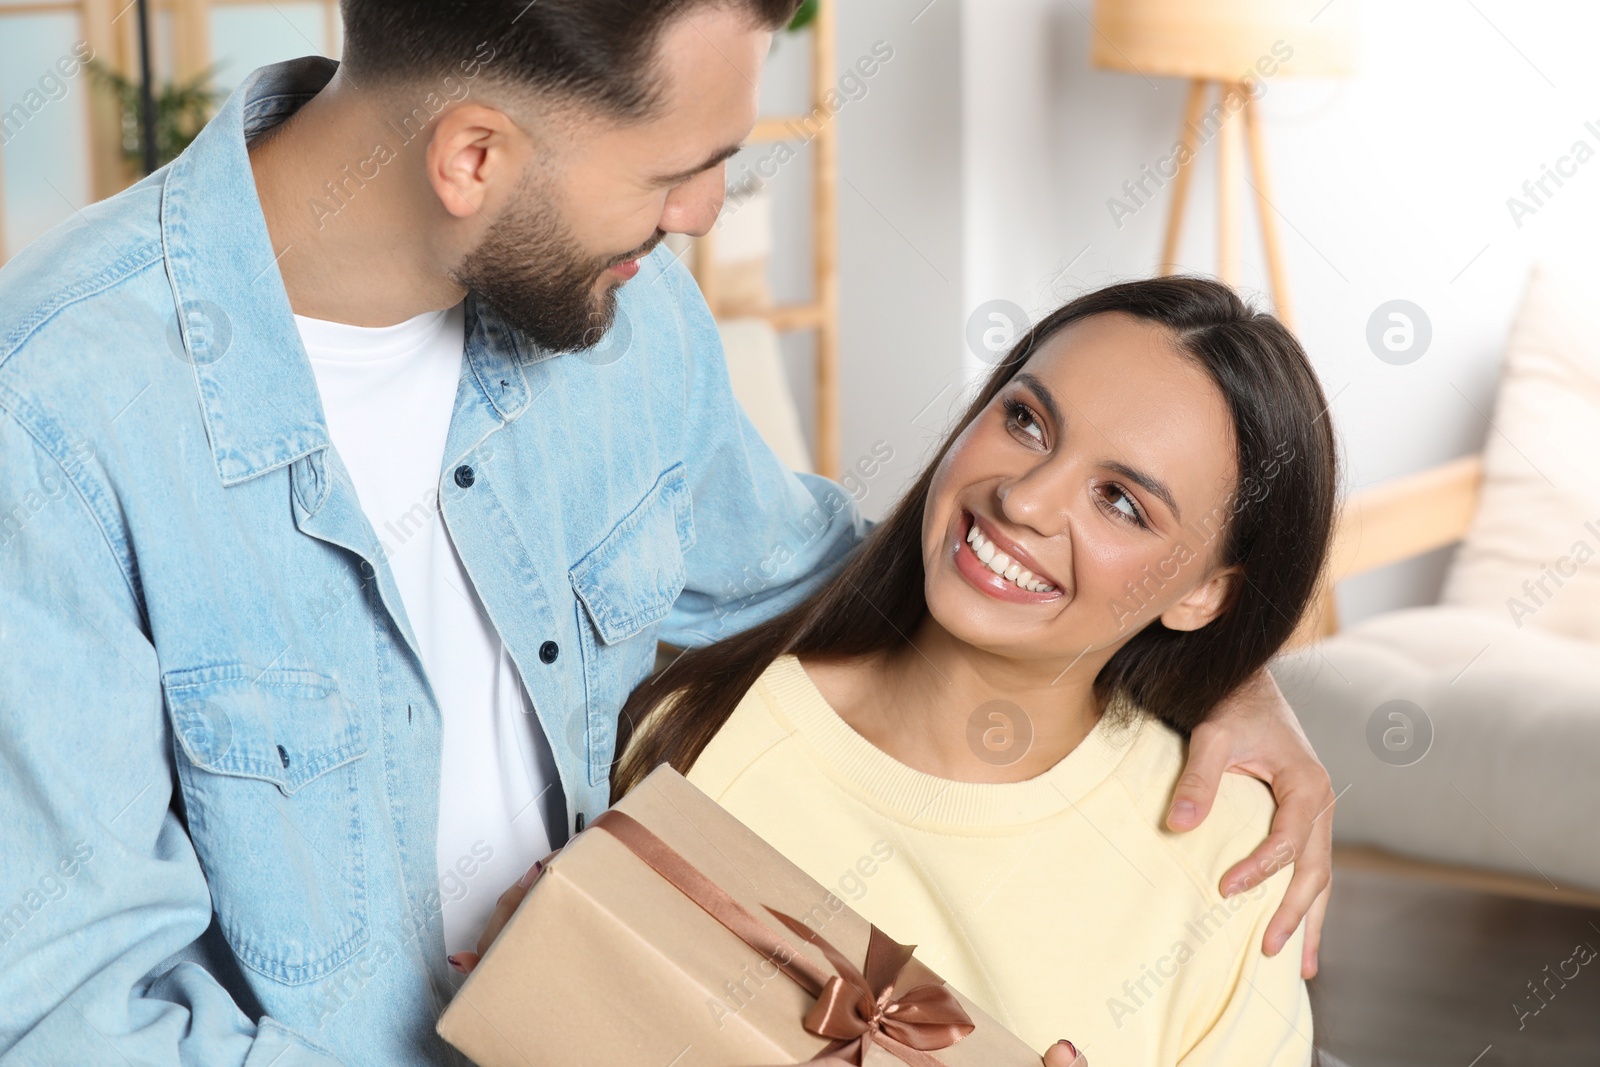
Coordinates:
(1277, 531)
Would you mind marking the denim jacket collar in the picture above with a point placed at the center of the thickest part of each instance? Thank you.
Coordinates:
(259, 397)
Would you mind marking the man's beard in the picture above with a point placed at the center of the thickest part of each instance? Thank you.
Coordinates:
(536, 276)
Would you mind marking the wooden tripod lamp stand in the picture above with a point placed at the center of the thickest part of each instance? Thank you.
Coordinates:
(1234, 49)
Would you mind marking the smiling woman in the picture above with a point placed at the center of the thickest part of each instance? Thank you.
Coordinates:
(1179, 366)
(1124, 527)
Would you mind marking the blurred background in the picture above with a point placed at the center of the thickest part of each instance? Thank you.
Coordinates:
(935, 173)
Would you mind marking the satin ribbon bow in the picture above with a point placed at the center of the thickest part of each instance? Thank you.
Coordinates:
(892, 1002)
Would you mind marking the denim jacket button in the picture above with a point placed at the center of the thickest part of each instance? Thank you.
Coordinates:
(464, 476)
(549, 651)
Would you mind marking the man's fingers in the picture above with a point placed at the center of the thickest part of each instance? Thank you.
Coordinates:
(1209, 757)
(1302, 833)
(1270, 857)
(1311, 879)
(1308, 956)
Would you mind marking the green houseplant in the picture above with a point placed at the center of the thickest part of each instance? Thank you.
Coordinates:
(182, 108)
(803, 17)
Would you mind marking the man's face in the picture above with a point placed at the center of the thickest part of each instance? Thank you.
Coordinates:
(600, 195)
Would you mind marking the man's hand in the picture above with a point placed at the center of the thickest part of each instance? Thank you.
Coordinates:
(1254, 732)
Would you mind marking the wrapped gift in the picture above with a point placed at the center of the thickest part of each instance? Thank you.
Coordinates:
(669, 933)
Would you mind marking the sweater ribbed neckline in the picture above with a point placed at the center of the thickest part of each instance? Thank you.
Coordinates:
(926, 801)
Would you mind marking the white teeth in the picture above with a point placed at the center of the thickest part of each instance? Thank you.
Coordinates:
(1002, 564)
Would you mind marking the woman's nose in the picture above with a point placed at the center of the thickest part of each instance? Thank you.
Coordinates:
(1039, 500)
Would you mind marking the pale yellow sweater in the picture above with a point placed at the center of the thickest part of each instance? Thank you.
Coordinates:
(1061, 904)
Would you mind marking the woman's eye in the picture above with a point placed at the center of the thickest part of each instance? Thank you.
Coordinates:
(1123, 503)
(1023, 420)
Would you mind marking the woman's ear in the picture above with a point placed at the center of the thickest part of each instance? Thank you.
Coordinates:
(1202, 603)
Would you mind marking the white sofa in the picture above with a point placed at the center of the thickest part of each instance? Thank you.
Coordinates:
(1509, 779)
(1504, 672)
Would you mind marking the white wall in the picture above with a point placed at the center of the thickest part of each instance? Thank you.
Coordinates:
(901, 204)
(1393, 184)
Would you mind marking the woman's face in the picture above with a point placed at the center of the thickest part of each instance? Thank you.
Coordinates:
(1098, 483)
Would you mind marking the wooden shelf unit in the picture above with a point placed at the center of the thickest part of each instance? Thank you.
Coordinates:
(821, 313)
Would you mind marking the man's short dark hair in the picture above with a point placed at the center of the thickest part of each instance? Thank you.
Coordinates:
(596, 53)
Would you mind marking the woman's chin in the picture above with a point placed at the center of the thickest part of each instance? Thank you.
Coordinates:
(1009, 631)
(996, 628)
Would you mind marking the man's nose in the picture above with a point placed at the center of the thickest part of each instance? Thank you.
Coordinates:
(692, 207)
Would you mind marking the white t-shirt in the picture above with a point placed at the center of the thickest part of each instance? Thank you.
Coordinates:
(388, 394)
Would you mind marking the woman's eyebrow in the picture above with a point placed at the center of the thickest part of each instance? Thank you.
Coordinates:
(1149, 483)
(1046, 399)
(1152, 485)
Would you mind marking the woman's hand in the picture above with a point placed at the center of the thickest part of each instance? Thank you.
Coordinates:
(504, 908)
(1064, 1054)
(1254, 732)
(1061, 1054)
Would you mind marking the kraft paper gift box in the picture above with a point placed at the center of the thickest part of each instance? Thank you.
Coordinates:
(609, 962)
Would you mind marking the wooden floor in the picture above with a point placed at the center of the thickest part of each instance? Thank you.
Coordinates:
(1416, 974)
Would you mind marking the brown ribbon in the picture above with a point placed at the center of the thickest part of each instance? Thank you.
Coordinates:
(892, 1001)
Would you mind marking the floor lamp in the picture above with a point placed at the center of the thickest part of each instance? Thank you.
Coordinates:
(1230, 50)
(147, 101)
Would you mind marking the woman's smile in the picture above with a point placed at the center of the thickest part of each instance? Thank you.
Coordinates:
(994, 564)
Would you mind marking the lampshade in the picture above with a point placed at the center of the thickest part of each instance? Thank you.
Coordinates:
(1223, 40)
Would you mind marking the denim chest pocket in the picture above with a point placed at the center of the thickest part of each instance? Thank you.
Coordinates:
(627, 583)
(634, 575)
(268, 766)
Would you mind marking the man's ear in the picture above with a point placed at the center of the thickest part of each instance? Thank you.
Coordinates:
(474, 152)
(1202, 603)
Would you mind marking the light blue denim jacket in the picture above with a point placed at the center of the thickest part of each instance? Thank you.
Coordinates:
(219, 755)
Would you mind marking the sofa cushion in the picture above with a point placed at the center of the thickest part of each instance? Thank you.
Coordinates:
(1533, 551)
(755, 368)
(1462, 739)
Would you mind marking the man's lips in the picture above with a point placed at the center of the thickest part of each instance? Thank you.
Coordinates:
(628, 267)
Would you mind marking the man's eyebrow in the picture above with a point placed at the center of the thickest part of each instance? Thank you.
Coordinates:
(681, 176)
(1149, 483)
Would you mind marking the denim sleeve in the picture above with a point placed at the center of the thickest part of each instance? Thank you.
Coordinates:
(765, 536)
(101, 895)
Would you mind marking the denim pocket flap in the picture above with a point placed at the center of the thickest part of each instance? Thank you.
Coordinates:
(287, 727)
(634, 575)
